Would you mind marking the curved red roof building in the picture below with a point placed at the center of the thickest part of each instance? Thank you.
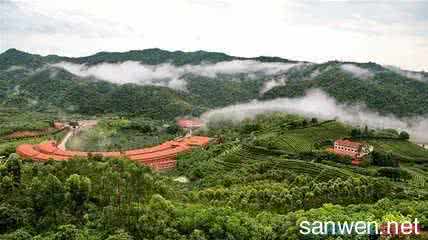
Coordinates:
(158, 157)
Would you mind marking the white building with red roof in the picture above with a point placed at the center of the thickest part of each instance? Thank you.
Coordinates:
(190, 124)
(356, 150)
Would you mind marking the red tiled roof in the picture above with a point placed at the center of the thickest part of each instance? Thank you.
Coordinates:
(347, 143)
(158, 157)
(157, 148)
(26, 150)
(190, 123)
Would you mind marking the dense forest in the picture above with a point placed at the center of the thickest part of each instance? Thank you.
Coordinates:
(385, 91)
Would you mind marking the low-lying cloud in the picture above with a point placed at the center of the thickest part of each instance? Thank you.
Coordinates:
(318, 104)
(409, 74)
(268, 85)
(281, 80)
(357, 71)
(128, 72)
(167, 74)
(15, 68)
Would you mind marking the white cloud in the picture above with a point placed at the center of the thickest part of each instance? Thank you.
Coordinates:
(129, 72)
(15, 68)
(318, 104)
(167, 74)
(409, 74)
(357, 71)
(268, 85)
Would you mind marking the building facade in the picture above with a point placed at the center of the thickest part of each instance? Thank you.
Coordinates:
(355, 150)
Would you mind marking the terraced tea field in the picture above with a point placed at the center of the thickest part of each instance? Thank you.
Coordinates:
(304, 139)
(407, 151)
(419, 176)
(244, 157)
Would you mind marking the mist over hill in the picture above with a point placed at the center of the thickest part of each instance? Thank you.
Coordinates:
(317, 104)
(163, 84)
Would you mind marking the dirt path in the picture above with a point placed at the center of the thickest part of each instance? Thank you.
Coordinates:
(61, 145)
(71, 132)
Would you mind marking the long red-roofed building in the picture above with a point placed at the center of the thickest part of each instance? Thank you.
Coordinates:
(158, 157)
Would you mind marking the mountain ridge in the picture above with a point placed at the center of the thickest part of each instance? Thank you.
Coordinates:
(27, 79)
(150, 56)
(52, 58)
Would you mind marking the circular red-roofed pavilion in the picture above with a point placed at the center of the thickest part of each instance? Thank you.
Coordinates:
(190, 123)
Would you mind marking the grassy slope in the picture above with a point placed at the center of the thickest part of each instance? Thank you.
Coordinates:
(404, 149)
(98, 139)
(14, 120)
(304, 139)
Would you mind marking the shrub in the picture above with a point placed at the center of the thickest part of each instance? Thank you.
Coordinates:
(328, 156)
(393, 173)
(404, 135)
(384, 159)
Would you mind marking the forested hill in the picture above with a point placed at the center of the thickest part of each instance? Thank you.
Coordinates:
(381, 89)
(165, 84)
(153, 56)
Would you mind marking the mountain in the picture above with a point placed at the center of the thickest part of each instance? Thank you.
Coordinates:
(171, 84)
(14, 57)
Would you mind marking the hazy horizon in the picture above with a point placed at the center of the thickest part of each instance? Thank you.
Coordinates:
(385, 32)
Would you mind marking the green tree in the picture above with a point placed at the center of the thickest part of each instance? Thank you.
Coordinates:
(78, 189)
(120, 235)
(304, 123)
(6, 185)
(197, 235)
(19, 234)
(13, 166)
(9, 217)
(404, 135)
(366, 131)
(355, 133)
(314, 120)
(173, 129)
(66, 232)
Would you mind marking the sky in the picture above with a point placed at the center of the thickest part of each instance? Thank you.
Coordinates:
(389, 32)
